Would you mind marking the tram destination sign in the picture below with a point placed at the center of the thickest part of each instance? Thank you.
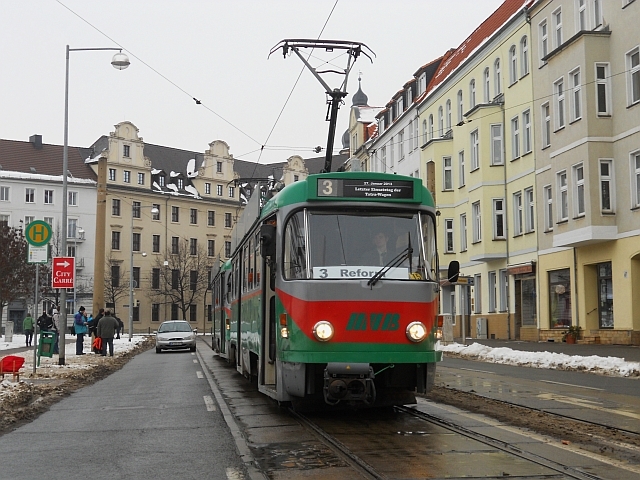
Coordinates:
(365, 188)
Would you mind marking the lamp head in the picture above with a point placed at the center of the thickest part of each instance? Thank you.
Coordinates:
(154, 210)
(120, 61)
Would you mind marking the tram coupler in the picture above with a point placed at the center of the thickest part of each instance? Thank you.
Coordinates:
(349, 382)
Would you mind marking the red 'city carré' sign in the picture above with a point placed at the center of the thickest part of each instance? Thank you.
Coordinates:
(64, 272)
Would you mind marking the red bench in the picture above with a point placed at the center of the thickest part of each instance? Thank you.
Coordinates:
(11, 364)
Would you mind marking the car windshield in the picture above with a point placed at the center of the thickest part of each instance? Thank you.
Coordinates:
(356, 244)
(174, 327)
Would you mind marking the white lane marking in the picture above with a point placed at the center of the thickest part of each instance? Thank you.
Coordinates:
(195, 361)
(234, 474)
(208, 401)
(571, 385)
(193, 353)
(199, 374)
(581, 402)
(474, 370)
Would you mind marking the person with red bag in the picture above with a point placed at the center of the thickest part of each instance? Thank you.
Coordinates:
(107, 327)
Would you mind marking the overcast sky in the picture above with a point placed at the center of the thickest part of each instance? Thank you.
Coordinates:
(215, 51)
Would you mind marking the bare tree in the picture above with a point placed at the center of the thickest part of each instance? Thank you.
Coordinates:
(17, 277)
(116, 281)
(184, 277)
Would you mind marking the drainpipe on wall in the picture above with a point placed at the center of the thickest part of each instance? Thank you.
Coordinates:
(575, 288)
(506, 217)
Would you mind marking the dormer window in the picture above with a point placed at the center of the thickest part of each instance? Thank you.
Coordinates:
(161, 180)
(400, 106)
(422, 84)
(180, 183)
(382, 124)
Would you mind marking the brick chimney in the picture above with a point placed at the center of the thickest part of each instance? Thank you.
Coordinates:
(36, 141)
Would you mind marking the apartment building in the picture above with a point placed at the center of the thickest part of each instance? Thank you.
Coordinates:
(586, 70)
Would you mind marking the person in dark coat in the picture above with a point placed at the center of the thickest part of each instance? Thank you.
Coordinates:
(107, 327)
(45, 322)
(120, 328)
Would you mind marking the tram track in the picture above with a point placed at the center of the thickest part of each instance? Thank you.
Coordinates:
(357, 448)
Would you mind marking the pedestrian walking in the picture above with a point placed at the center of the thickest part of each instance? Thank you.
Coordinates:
(44, 322)
(107, 326)
(55, 316)
(27, 328)
(80, 325)
(120, 328)
(93, 328)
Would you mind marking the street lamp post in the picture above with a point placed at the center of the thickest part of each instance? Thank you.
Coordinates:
(75, 264)
(154, 211)
(119, 61)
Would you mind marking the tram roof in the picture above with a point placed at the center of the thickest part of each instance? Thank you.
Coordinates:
(352, 186)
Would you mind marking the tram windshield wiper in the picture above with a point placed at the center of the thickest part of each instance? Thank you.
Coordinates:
(394, 262)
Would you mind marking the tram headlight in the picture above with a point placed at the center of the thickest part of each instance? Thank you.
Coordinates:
(284, 332)
(323, 331)
(416, 331)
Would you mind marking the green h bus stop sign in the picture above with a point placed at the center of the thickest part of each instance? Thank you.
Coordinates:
(38, 233)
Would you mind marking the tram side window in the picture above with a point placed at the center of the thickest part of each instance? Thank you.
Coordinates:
(295, 248)
(429, 245)
(257, 261)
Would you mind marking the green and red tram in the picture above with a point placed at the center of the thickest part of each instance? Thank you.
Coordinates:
(331, 291)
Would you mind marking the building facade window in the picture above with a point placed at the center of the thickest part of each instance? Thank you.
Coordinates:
(578, 190)
(526, 131)
(156, 244)
(576, 92)
(48, 197)
(492, 291)
(475, 150)
(518, 214)
(155, 278)
(461, 168)
(635, 175)
(605, 295)
(193, 312)
(424, 132)
(401, 145)
(140, 178)
(207, 188)
(496, 145)
(546, 125)
(529, 210)
(486, 85)
(219, 190)
(30, 218)
(477, 294)
(560, 298)
(115, 240)
(136, 242)
(513, 65)
(30, 195)
(155, 211)
(227, 220)
(543, 35)
(603, 89)
(463, 232)
(175, 279)
(581, 15)
(180, 183)
(606, 186)
(548, 208)
(227, 249)
(448, 233)
(4, 194)
(211, 248)
(472, 94)
(155, 312)
(193, 216)
(72, 198)
(175, 214)
(477, 222)
(633, 76)
(218, 167)
(112, 174)
(136, 277)
(563, 197)
(211, 218)
(447, 173)
(232, 192)
(115, 275)
(448, 115)
(193, 246)
(430, 127)
(524, 56)
(126, 150)
(497, 78)
(115, 207)
(135, 209)
(515, 138)
(126, 177)
(175, 245)
(503, 286)
(557, 25)
(498, 219)
(558, 90)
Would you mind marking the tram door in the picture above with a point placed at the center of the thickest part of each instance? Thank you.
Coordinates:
(269, 321)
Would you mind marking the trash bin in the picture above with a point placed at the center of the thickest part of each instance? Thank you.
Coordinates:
(46, 344)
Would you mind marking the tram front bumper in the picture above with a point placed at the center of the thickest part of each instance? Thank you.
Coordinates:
(349, 382)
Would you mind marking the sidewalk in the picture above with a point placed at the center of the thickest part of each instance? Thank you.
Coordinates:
(629, 352)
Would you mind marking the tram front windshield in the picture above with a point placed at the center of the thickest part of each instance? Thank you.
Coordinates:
(357, 245)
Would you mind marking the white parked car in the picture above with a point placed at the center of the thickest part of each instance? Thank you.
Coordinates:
(175, 334)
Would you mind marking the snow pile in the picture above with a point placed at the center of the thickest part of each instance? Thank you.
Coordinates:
(558, 361)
